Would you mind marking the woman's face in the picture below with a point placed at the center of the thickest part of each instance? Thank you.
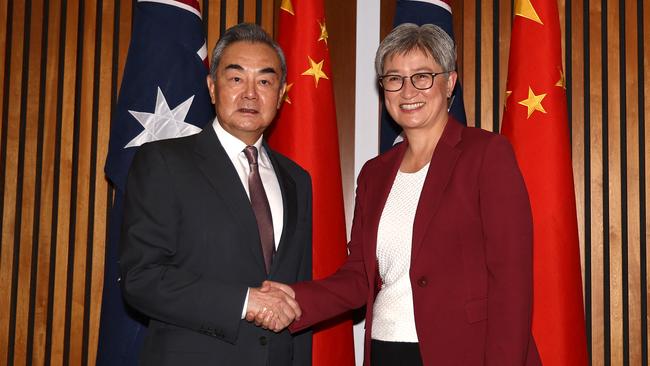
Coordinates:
(412, 108)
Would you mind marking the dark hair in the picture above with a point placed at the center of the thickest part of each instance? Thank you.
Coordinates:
(246, 32)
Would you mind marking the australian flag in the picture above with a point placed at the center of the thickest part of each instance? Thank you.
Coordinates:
(163, 95)
(422, 12)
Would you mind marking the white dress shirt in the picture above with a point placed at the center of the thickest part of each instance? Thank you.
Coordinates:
(234, 148)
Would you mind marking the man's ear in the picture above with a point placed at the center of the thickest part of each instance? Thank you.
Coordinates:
(211, 85)
(283, 89)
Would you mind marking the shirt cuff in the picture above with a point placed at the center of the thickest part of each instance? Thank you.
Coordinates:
(243, 312)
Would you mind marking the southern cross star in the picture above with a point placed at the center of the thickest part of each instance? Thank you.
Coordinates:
(163, 123)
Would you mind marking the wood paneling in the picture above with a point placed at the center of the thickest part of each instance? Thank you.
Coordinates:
(60, 73)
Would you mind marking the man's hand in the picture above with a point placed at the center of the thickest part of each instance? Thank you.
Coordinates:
(271, 308)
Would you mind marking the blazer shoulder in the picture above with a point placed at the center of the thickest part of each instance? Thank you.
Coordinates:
(386, 158)
(480, 139)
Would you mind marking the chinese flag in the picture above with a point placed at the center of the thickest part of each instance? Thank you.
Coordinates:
(535, 121)
(306, 132)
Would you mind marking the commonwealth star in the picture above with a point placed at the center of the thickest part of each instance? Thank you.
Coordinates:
(163, 123)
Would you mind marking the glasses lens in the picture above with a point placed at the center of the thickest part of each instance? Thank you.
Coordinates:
(422, 81)
(392, 82)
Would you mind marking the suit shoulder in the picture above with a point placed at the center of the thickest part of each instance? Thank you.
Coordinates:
(168, 147)
(289, 165)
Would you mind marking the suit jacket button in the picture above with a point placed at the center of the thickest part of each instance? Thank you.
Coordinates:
(422, 281)
(263, 341)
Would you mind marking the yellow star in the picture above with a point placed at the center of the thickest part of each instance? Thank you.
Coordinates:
(505, 99)
(285, 98)
(315, 70)
(323, 32)
(525, 9)
(534, 102)
(562, 82)
(287, 6)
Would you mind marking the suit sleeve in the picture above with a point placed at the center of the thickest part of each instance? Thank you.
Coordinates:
(347, 288)
(152, 280)
(508, 234)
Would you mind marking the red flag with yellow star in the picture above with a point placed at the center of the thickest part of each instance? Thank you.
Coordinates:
(306, 132)
(536, 123)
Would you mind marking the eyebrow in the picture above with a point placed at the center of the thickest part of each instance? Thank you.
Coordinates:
(266, 70)
(417, 71)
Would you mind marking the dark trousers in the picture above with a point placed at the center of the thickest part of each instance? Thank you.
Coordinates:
(394, 354)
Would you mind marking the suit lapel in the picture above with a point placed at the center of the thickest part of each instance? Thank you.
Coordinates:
(440, 171)
(219, 171)
(290, 204)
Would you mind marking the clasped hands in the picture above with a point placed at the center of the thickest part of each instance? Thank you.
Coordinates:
(272, 306)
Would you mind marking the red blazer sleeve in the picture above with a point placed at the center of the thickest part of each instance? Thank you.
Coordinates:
(508, 234)
(344, 290)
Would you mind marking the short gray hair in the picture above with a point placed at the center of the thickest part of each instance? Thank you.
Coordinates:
(428, 38)
(246, 32)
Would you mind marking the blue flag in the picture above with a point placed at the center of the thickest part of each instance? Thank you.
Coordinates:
(163, 95)
(422, 12)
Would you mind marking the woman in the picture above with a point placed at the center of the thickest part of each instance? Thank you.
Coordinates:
(441, 245)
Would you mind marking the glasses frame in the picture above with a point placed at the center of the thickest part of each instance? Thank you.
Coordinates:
(433, 79)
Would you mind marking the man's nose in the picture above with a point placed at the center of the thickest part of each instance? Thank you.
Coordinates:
(251, 89)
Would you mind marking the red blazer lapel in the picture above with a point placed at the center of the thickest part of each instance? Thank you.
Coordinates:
(381, 180)
(440, 171)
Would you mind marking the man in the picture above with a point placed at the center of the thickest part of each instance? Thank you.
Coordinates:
(209, 217)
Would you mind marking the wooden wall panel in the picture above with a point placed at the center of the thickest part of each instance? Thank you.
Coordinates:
(60, 73)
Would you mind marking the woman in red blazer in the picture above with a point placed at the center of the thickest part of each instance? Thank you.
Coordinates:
(441, 245)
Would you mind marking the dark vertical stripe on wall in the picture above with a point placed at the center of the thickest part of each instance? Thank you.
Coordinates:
(91, 182)
(258, 12)
(605, 164)
(55, 189)
(641, 38)
(115, 64)
(222, 17)
(623, 162)
(38, 184)
(568, 69)
(204, 14)
(74, 182)
(19, 180)
(5, 111)
(587, 172)
(477, 100)
(240, 11)
(495, 66)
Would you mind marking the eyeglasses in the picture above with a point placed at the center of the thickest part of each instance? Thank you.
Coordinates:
(420, 80)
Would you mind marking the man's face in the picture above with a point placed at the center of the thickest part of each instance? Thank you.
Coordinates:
(247, 91)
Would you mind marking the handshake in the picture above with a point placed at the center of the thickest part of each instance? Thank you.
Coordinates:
(272, 306)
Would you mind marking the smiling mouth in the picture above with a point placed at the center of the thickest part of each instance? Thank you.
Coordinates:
(247, 110)
(411, 106)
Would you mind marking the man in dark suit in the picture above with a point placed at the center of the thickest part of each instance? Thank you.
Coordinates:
(209, 217)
